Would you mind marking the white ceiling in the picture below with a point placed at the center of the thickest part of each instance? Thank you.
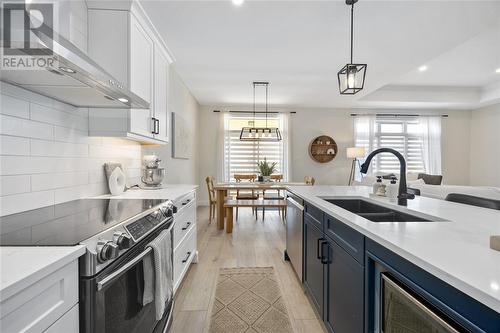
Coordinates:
(300, 45)
(472, 63)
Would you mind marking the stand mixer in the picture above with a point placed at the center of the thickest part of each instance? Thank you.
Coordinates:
(152, 174)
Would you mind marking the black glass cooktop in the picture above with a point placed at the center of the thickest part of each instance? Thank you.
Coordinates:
(69, 223)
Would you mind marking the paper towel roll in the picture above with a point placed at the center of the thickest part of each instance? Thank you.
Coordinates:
(116, 182)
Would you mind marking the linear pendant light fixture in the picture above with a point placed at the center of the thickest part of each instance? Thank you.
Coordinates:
(260, 133)
(351, 76)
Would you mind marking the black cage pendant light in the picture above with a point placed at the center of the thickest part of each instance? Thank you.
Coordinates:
(351, 76)
(260, 133)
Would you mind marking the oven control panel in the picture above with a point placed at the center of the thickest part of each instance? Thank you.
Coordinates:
(107, 246)
(141, 227)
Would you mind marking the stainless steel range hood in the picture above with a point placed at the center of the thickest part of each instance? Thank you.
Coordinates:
(76, 79)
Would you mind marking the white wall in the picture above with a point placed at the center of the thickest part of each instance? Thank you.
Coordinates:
(306, 124)
(46, 156)
(455, 150)
(208, 149)
(182, 102)
(485, 146)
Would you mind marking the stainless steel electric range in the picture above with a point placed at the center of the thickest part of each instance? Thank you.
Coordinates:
(116, 233)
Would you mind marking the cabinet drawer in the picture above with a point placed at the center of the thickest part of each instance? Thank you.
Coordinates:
(184, 201)
(314, 214)
(40, 305)
(68, 323)
(349, 239)
(183, 256)
(184, 222)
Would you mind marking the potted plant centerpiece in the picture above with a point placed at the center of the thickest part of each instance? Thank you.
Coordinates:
(266, 170)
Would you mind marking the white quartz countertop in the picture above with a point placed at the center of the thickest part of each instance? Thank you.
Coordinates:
(21, 266)
(457, 251)
(171, 192)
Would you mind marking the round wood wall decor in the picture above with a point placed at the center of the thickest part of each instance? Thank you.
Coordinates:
(323, 149)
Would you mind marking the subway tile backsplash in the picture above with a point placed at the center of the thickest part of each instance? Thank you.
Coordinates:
(46, 155)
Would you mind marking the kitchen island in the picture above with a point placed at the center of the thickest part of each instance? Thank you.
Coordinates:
(452, 252)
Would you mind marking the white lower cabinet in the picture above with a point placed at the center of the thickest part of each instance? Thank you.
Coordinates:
(184, 223)
(67, 323)
(185, 241)
(43, 303)
(183, 257)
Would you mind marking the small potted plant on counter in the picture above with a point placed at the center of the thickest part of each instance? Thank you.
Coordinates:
(266, 170)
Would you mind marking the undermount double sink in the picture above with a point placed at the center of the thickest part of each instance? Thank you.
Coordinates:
(377, 213)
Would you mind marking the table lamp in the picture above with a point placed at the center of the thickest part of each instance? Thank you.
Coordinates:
(354, 153)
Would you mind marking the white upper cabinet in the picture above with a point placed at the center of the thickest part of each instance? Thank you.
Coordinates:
(161, 68)
(141, 78)
(141, 60)
(125, 44)
(71, 21)
(108, 45)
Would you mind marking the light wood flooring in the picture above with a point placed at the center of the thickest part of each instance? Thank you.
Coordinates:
(252, 243)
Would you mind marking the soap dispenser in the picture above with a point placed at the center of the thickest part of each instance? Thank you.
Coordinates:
(392, 189)
(377, 184)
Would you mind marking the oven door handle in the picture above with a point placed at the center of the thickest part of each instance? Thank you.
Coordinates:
(101, 284)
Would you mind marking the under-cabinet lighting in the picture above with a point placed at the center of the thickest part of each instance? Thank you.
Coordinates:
(67, 70)
(238, 2)
(422, 68)
(123, 100)
(498, 70)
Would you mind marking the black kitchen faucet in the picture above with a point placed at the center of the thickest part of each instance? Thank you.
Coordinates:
(403, 194)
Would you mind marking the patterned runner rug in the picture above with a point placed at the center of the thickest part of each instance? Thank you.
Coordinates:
(249, 300)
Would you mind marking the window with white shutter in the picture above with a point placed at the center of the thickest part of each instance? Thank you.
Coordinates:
(408, 135)
(242, 156)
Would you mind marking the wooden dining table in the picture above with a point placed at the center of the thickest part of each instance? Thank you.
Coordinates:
(223, 188)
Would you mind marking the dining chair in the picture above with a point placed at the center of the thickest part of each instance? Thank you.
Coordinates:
(309, 180)
(211, 198)
(273, 196)
(245, 195)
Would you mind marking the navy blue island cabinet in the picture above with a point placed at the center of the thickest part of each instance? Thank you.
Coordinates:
(333, 277)
(358, 285)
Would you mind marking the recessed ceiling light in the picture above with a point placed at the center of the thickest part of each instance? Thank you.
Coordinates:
(422, 68)
(67, 70)
(498, 70)
(238, 2)
(123, 100)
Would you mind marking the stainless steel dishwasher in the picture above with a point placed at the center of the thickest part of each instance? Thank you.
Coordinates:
(294, 232)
